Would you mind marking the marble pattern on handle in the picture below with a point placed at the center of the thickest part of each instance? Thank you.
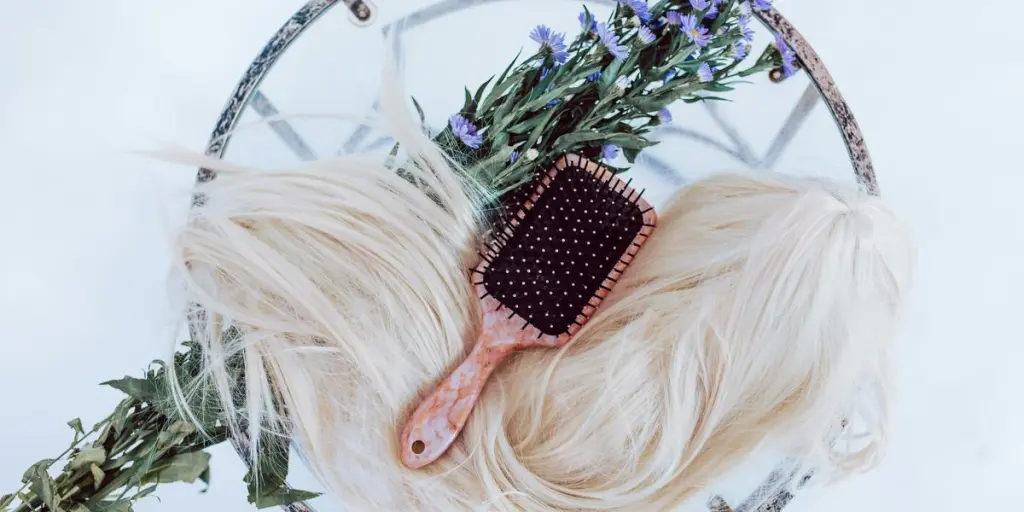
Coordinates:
(436, 423)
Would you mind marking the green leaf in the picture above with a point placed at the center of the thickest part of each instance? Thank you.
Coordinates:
(609, 75)
(283, 496)
(631, 141)
(139, 471)
(725, 9)
(42, 485)
(204, 477)
(120, 416)
(556, 93)
(174, 434)
(754, 69)
(503, 84)
(97, 476)
(622, 127)
(690, 66)
(7, 499)
(539, 130)
(78, 507)
(698, 99)
(419, 111)
(76, 425)
(467, 108)
(271, 468)
(576, 138)
(392, 155)
(526, 126)
(480, 91)
(87, 456)
(630, 154)
(499, 158)
(499, 140)
(654, 102)
(144, 390)
(145, 492)
(589, 19)
(501, 114)
(570, 141)
(187, 467)
(678, 58)
(585, 72)
(715, 87)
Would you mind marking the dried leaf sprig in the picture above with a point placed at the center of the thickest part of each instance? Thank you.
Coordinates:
(121, 459)
(143, 443)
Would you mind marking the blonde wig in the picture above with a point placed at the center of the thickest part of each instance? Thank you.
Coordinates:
(760, 313)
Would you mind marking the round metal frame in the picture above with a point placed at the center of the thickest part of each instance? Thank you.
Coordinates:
(770, 496)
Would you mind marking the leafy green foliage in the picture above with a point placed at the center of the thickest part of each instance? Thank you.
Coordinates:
(143, 443)
(593, 99)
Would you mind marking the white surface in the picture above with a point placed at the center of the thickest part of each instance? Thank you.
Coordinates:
(83, 246)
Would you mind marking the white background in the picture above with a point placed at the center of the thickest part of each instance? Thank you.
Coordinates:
(84, 227)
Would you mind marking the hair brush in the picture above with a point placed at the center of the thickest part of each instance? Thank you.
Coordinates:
(547, 269)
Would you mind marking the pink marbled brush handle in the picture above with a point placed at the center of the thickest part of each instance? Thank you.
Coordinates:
(439, 419)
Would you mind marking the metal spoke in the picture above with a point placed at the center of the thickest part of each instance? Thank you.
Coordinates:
(804, 106)
(266, 109)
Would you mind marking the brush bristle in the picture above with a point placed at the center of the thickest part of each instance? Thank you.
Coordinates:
(553, 257)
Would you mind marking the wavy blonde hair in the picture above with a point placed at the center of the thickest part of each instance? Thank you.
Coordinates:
(760, 312)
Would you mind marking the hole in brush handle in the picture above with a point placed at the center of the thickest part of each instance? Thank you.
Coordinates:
(439, 419)
(418, 447)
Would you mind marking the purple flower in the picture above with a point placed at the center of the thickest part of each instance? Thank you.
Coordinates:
(745, 29)
(739, 50)
(587, 22)
(788, 56)
(645, 35)
(713, 11)
(513, 157)
(705, 72)
(700, 5)
(639, 8)
(745, 9)
(551, 43)
(780, 42)
(594, 76)
(611, 42)
(695, 32)
(674, 18)
(465, 131)
(763, 5)
(664, 116)
(609, 151)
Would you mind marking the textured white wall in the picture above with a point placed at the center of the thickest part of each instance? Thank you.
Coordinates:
(83, 225)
